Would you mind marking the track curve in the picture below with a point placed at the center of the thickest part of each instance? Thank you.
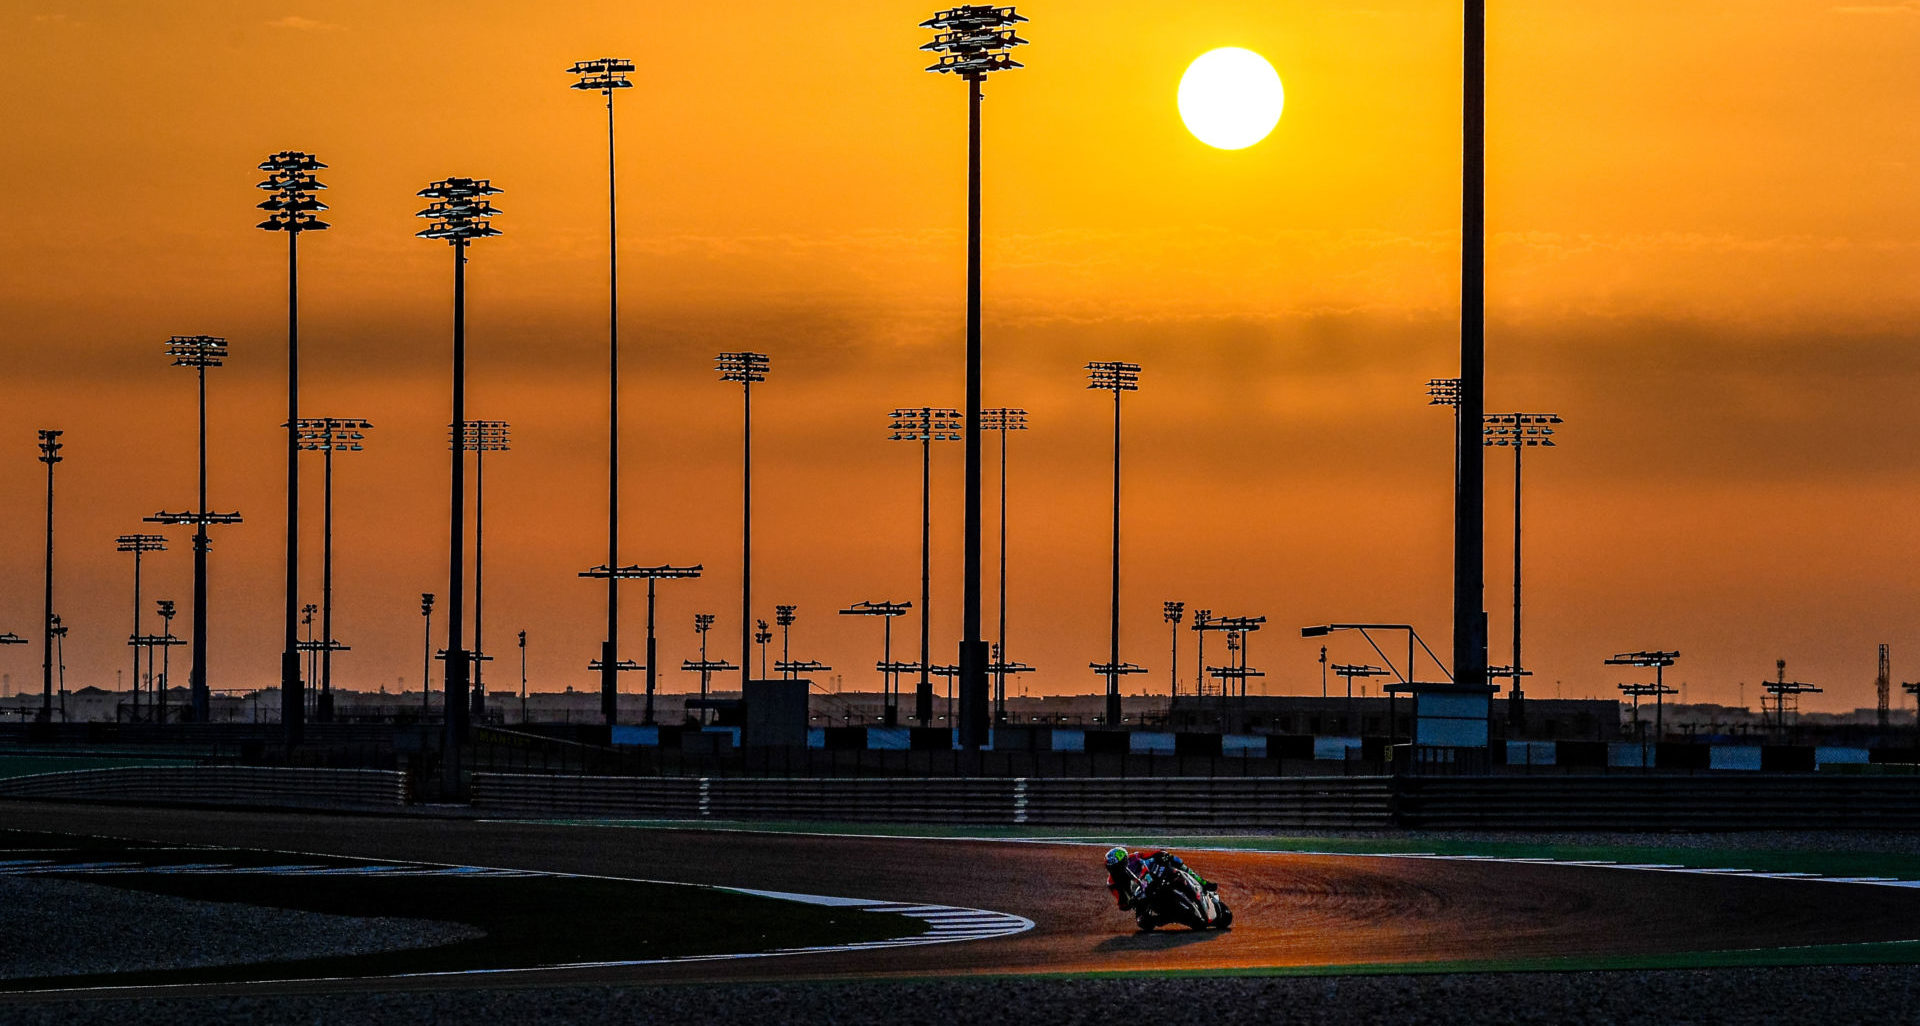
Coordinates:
(1290, 910)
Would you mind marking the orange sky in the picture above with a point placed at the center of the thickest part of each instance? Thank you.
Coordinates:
(1703, 252)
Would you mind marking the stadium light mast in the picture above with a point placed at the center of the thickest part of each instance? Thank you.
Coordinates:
(651, 574)
(50, 446)
(702, 623)
(1003, 420)
(1520, 431)
(291, 209)
(198, 352)
(1117, 378)
(482, 437)
(1172, 613)
(1469, 503)
(889, 670)
(747, 368)
(426, 664)
(167, 641)
(973, 41)
(925, 425)
(459, 213)
(327, 435)
(784, 616)
(139, 545)
(1659, 661)
(608, 75)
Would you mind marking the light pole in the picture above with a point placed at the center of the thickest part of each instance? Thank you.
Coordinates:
(606, 75)
(198, 352)
(1002, 419)
(1469, 496)
(1406, 678)
(784, 616)
(166, 657)
(1659, 661)
(482, 437)
(50, 446)
(1519, 430)
(1117, 378)
(291, 209)
(523, 678)
(746, 368)
(458, 213)
(139, 545)
(973, 42)
(761, 635)
(1202, 620)
(889, 680)
(652, 574)
(1350, 671)
(327, 435)
(309, 646)
(702, 623)
(426, 659)
(925, 425)
(1172, 612)
(59, 633)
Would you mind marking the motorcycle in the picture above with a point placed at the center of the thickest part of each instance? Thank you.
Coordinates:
(1166, 891)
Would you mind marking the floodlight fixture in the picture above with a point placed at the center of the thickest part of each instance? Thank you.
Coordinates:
(481, 437)
(784, 616)
(139, 545)
(1658, 661)
(200, 352)
(197, 351)
(1443, 392)
(1172, 613)
(651, 574)
(1004, 419)
(974, 40)
(1352, 670)
(746, 368)
(292, 206)
(50, 446)
(925, 425)
(459, 210)
(602, 74)
(1116, 377)
(328, 435)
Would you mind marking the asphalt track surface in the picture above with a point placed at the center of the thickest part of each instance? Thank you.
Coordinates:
(1291, 910)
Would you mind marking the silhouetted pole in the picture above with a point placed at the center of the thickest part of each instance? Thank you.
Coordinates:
(459, 211)
(50, 446)
(1172, 612)
(926, 425)
(482, 437)
(607, 74)
(1117, 378)
(138, 544)
(1519, 430)
(166, 659)
(291, 210)
(784, 616)
(888, 669)
(426, 657)
(746, 368)
(523, 677)
(325, 435)
(199, 352)
(1003, 420)
(973, 42)
(1469, 617)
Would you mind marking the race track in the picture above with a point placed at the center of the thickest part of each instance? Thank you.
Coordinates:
(1291, 910)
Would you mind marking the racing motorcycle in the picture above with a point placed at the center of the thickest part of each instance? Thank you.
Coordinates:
(1166, 891)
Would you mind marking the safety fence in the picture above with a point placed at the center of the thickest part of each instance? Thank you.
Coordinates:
(1196, 802)
(1621, 802)
(278, 787)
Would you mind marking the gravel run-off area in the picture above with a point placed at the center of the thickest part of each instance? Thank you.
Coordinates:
(1845, 994)
(51, 927)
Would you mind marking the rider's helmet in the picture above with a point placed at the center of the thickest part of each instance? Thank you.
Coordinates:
(1116, 855)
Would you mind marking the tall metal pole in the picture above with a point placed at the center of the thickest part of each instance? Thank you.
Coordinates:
(1113, 636)
(609, 650)
(426, 657)
(1516, 709)
(293, 709)
(197, 673)
(135, 644)
(1469, 619)
(746, 534)
(923, 693)
(653, 656)
(326, 591)
(973, 650)
(1000, 664)
(455, 714)
(49, 454)
(479, 577)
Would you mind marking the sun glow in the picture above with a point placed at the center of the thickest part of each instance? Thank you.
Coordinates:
(1231, 98)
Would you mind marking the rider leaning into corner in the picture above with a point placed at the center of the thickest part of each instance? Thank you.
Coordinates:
(1134, 878)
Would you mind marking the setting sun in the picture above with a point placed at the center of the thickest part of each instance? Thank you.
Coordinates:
(1231, 98)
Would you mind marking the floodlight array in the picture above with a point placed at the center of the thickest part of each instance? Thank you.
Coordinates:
(784, 615)
(459, 210)
(141, 542)
(1173, 612)
(745, 368)
(973, 41)
(1003, 419)
(197, 350)
(1519, 428)
(292, 205)
(603, 74)
(1114, 376)
(485, 436)
(339, 434)
(877, 609)
(1443, 392)
(925, 424)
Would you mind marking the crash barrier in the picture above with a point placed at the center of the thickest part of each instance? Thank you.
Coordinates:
(1225, 803)
(1748, 801)
(268, 787)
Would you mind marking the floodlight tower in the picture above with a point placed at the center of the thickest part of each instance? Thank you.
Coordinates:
(198, 352)
(746, 368)
(607, 75)
(426, 665)
(1202, 618)
(1521, 431)
(973, 42)
(1469, 493)
(459, 211)
(1659, 661)
(702, 623)
(1117, 378)
(784, 616)
(482, 437)
(50, 446)
(327, 435)
(1350, 671)
(1172, 613)
(651, 574)
(925, 425)
(138, 544)
(761, 635)
(1002, 419)
(291, 209)
(889, 679)
(166, 610)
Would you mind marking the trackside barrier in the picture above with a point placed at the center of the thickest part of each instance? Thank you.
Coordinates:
(1747, 802)
(1215, 803)
(266, 787)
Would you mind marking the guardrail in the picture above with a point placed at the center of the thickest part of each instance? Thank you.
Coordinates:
(1224, 803)
(270, 787)
(1748, 802)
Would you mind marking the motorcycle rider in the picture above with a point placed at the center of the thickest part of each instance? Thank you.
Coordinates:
(1124, 867)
